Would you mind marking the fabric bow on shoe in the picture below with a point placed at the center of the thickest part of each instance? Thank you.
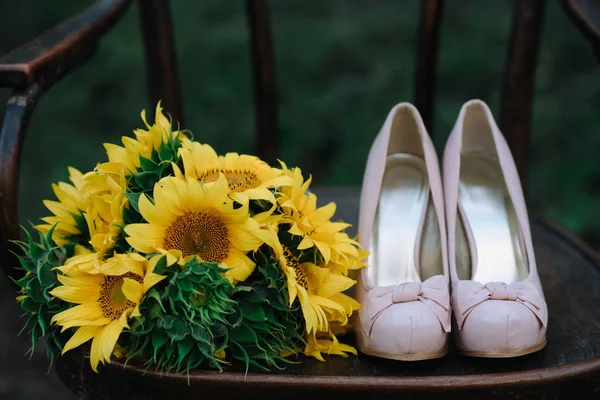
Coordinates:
(469, 294)
(433, 292)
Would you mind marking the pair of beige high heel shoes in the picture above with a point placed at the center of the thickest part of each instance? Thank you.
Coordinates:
(447, 253)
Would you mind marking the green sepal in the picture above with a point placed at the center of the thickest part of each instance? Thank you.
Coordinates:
(146, 180)
(185, 317)
(38, 262)
(133, 199)
(265, 326)
(148, 165)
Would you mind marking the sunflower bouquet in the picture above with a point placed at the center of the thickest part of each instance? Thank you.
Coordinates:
(177, 258)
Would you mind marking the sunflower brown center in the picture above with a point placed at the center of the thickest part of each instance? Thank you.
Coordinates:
(237, 180)
(198, 233)
(292, 261)
(113, 302)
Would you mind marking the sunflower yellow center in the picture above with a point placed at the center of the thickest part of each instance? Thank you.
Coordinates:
(113, 302)
(198, 233)
(237, 180)
(292, 261)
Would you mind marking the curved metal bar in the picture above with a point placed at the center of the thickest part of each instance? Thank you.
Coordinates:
(14, 125)
(517, 91)
(427, 51)
(161, 62)
(264, 80)
(54, 53)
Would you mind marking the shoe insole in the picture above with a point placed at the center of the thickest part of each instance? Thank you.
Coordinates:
(490, 222)
(398, 221)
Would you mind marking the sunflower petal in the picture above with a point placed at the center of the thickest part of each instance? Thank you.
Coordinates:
(95, 351)
(81, 313)
(76, 294)
(240, 266)
(80, 336)
(132, 289)
(109, 337)
(145, 238)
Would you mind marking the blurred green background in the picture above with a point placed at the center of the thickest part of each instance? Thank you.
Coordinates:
(341, 65)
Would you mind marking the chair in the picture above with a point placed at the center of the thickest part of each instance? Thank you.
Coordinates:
(569, 365)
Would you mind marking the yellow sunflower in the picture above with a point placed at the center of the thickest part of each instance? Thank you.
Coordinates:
(248, 177)
(347, 264)
(92, 205)
(326, 343)
(197, 219)
(313, 224)
(105, 299)
(319, 291)
(68, 210)
(127, 157)
(104, 215)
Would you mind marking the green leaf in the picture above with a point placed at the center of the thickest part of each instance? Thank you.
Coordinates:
(259, 326)
(186, 285)
(253, 312)
(161, 266)
(45, 275)
(244, 335)
(49, 242)
(36, 334)
(179, 331)
(258, 296)
(133, 199)
(24, 281)
(159, 338)
(154, 295)
(270, 314)
(165, 153)
(35, 250)
(27, 263)
(148, 165)
(175, 294)
(43, 323)
(199, 332)
(35, 291)
(146, 180)
(29, 305)
(183, 348)
(167, 322)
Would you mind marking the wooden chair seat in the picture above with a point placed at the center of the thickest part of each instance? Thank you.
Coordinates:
(570, 363)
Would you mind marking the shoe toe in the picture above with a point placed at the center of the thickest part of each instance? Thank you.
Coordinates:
(500, 327)
(406, 329)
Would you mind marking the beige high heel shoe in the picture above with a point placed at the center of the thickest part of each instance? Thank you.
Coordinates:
(405, 312)
(497, 298)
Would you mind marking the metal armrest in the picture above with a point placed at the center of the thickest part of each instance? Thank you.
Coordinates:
(54, 53)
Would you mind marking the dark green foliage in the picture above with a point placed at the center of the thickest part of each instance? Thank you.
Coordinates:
(195, 313)
(265, 327)
(37, 263)
(157, 166)
(184, 318)
(84, 237)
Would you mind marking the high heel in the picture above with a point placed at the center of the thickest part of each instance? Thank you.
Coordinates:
(405, 312)
(497, 298)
